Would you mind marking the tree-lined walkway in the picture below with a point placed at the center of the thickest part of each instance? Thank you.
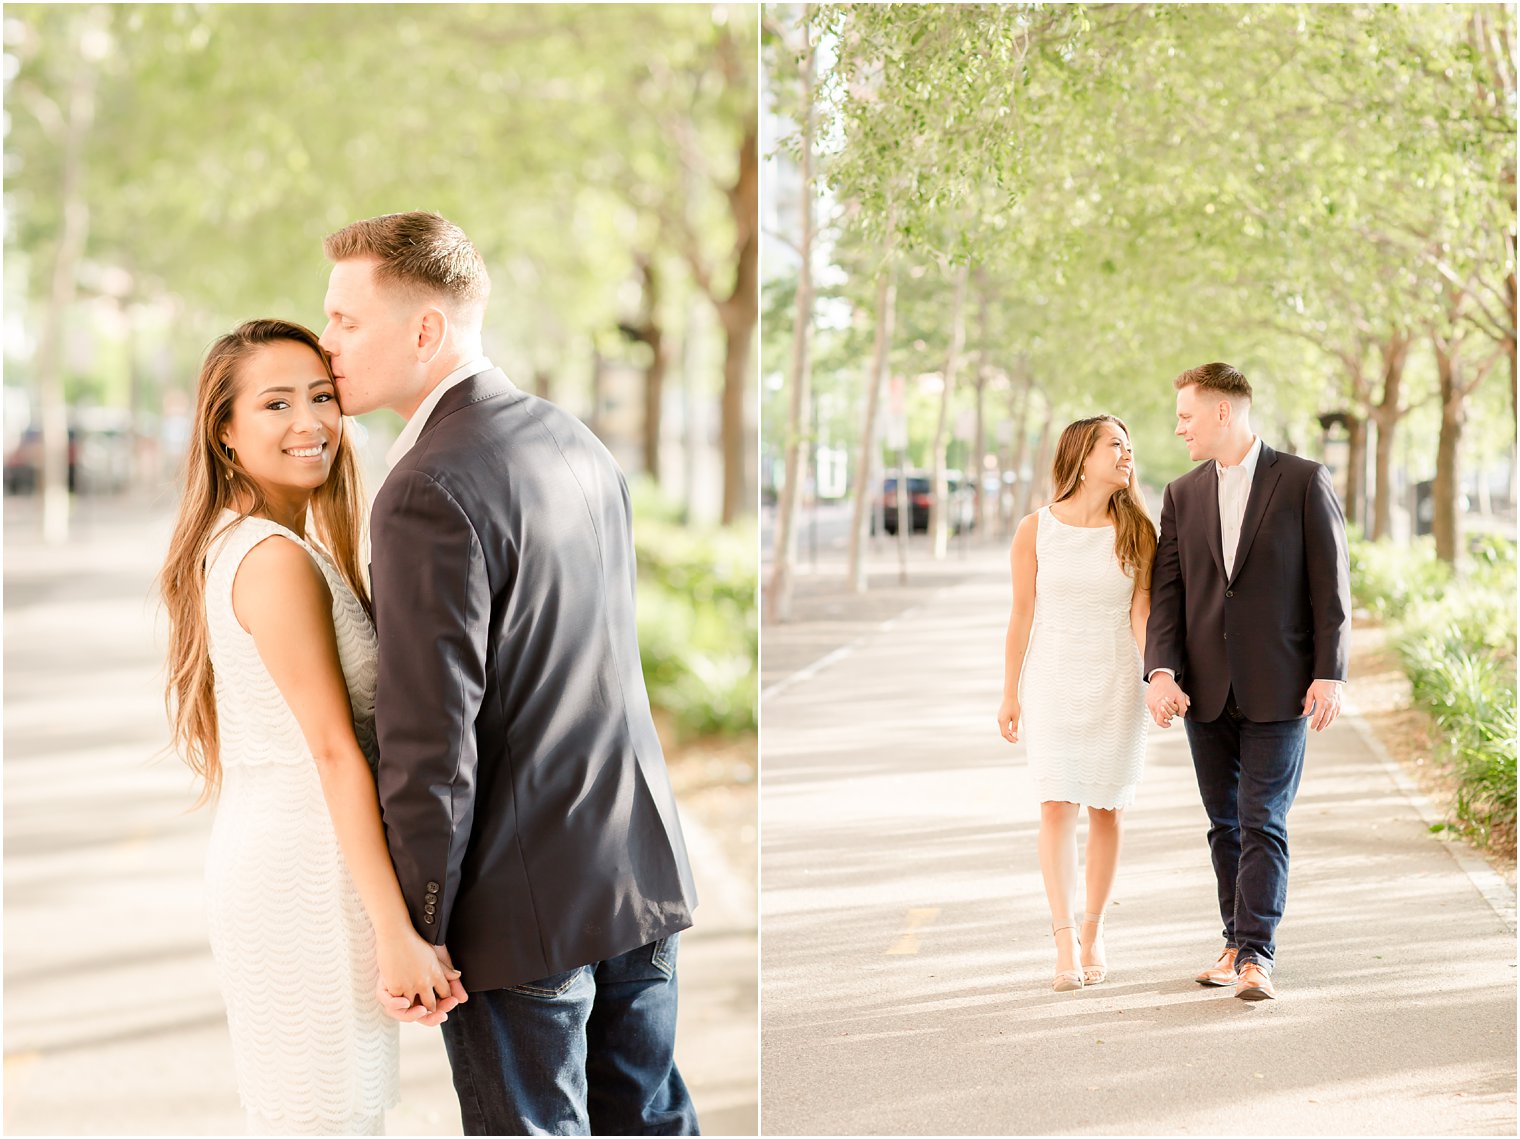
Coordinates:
(907, 958)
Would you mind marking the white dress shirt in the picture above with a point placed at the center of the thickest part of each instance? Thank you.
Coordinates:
(408, 437)
(1234, 490)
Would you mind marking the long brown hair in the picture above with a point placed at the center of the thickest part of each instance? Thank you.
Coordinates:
(1134, 532)
(215, 481)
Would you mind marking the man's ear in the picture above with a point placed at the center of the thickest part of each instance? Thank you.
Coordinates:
(432, 333)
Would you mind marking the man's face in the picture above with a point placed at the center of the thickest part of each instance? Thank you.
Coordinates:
(371, 335)
(1200, 422)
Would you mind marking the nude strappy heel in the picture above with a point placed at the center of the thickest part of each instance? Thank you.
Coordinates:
(1097, 972)
(1068, 980)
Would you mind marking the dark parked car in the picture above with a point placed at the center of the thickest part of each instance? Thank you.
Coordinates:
(100, 458)
(24, 464)
(961, 504)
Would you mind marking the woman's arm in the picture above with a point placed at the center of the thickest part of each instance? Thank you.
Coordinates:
(1139, 614)
(280, 597)
(1021, 559)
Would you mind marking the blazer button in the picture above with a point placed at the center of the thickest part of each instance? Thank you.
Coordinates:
(430, 909)
(430, 898)
(1227, 636)
(432, 887)
(1229, 593)
(428, 918)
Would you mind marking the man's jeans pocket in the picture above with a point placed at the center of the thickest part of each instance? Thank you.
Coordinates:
(663, 954)
(554, 985)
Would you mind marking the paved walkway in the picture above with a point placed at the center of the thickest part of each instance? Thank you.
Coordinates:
(907, 958)
(113, 1023)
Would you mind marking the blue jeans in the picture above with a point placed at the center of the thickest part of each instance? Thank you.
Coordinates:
(1248, 774)
(588, 1051)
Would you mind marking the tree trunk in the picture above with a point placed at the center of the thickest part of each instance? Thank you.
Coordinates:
(78, 119)
(1386, 413)
(598, 390)
(1447, 521)
(650, 331)
(939, 489)
(1356, 470)
(799, 408)
(693, 404)
(979, 446)
(1018, 456)
(1039, 472)
(865, 461)
(738, 314)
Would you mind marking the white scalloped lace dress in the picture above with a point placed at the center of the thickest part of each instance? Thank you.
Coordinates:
(1080, 693)
(313, 1050)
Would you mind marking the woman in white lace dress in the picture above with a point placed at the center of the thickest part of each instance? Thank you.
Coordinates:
(272, 686)
(1072, 678)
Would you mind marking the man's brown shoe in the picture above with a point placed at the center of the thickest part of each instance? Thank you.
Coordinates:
(1254, 984)
(1221, 973)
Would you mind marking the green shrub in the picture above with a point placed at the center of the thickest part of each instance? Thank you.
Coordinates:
(1386, 579)
(1457, 646)
(698, 622)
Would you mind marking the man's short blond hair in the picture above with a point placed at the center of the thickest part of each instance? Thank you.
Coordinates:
(1219, 378)
(423, 252)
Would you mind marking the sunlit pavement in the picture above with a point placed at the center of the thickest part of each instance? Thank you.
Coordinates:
(907, 956)
(113, 1024)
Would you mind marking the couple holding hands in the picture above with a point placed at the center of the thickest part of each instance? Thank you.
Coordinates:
(1241, 615)
(443, 773)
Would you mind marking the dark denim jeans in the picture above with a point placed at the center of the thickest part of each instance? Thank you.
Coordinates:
(588, 1051)
(1248, 774)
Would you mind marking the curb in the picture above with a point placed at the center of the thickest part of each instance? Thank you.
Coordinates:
(1494, 889)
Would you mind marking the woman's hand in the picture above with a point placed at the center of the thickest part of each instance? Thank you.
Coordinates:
(1009, 713)
(411, 969)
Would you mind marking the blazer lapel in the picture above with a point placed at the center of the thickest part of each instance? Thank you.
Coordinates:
(1262, 486)
(1208, 487)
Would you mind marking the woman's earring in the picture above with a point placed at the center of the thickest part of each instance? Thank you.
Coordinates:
(231, 458)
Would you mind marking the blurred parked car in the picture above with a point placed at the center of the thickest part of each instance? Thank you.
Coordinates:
(961, 503)
(23, 463)
(100, 455)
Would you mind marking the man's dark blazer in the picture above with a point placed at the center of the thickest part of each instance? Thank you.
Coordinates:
(1281, 621)
(525, 796)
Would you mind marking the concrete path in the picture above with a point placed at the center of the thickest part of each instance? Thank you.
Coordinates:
(907, 957)
(113, 1023)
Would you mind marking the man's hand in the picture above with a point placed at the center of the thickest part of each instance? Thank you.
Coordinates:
(1165, 700)
(1323, 702)
(414, 1012)
(456, 990)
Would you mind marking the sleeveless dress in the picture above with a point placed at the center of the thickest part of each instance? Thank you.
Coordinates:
(1080, 693)
(314, 1052)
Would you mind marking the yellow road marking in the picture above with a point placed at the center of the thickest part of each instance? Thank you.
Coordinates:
(907, 942)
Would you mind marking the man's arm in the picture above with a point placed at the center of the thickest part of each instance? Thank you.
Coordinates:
(1328, 566)
(1166, 627)
(432, 609)
(1329, 570)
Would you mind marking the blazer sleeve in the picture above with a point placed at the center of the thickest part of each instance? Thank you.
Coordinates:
(1166, 630)
(1329, 571)
(432, 609)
